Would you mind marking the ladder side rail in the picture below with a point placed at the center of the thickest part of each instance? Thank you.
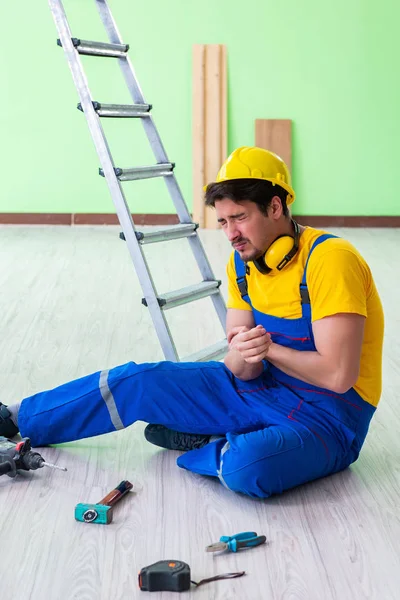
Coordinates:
(117, 195)
(161, 156)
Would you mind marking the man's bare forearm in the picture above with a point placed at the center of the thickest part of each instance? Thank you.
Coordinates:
(240, 368)
(308, 366)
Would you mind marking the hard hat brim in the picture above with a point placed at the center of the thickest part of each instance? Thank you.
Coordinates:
(291, 194)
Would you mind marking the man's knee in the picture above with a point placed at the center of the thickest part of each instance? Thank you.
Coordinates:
(261, 479)
(267, 462)
(251, 482)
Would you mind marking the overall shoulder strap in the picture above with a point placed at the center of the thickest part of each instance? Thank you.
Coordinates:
(305, 297)
(241, 272)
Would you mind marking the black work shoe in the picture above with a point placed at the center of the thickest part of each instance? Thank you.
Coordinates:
(7, 427)
(174, 440)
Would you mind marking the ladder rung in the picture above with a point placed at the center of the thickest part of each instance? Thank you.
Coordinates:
(162, 170)
(162, 235)
(187, 294)
(98, 48)
(120, 110)
(214, 352)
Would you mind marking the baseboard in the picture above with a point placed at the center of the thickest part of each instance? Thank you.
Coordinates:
(83, 219)
(348, 221)
(112, 219)
(171, 219)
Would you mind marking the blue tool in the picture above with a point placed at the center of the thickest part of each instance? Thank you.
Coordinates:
(247, 539)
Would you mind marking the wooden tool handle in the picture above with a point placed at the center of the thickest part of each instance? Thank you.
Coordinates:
(115, 495)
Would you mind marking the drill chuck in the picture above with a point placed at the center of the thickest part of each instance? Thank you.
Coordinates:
(33, 461)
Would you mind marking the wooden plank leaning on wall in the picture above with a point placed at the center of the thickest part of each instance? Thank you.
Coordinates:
(275, 135)
(209, 124)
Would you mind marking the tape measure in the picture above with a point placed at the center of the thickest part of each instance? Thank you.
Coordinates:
(173, 576)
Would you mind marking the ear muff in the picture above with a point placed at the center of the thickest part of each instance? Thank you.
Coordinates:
(280, 252)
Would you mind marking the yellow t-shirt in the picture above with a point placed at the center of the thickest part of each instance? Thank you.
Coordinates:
(338, 281)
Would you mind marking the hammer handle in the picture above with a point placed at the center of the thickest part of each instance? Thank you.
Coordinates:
(112, 497)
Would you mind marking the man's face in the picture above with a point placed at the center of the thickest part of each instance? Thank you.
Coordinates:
(248, 230)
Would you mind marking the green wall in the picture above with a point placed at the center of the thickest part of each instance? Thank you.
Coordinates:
(331, 67)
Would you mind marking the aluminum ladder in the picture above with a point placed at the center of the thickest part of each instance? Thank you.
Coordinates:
(94, 111)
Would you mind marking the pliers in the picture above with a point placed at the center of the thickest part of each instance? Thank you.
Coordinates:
(233, 543)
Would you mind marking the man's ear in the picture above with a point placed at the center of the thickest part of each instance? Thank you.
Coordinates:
(275, 210)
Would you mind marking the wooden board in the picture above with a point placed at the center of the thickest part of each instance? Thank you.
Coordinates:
(275, 135)
(209, 124)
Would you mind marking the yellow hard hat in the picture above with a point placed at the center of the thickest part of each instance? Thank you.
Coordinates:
(257, 163)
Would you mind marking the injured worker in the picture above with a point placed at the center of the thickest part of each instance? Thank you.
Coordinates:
(293, 398)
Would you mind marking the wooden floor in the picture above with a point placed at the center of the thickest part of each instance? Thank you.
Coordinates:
(70, 305)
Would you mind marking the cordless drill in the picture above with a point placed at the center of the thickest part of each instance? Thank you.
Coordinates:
(19, 456)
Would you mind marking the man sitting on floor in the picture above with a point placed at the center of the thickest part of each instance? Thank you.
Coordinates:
(294, 397)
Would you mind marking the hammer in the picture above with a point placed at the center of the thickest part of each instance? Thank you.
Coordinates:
(102, 512)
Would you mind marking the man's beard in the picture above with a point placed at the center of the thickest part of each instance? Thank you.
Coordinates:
(249, 255)
(253, 255)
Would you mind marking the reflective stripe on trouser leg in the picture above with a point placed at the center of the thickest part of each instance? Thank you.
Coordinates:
(150, 392)
(219, 471)
(109, 400)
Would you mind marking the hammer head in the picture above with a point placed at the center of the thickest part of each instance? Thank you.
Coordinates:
(93, 513)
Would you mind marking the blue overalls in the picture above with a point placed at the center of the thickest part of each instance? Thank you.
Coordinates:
(276, 431)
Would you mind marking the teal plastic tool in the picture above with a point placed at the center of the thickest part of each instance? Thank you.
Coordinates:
(102, 512)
